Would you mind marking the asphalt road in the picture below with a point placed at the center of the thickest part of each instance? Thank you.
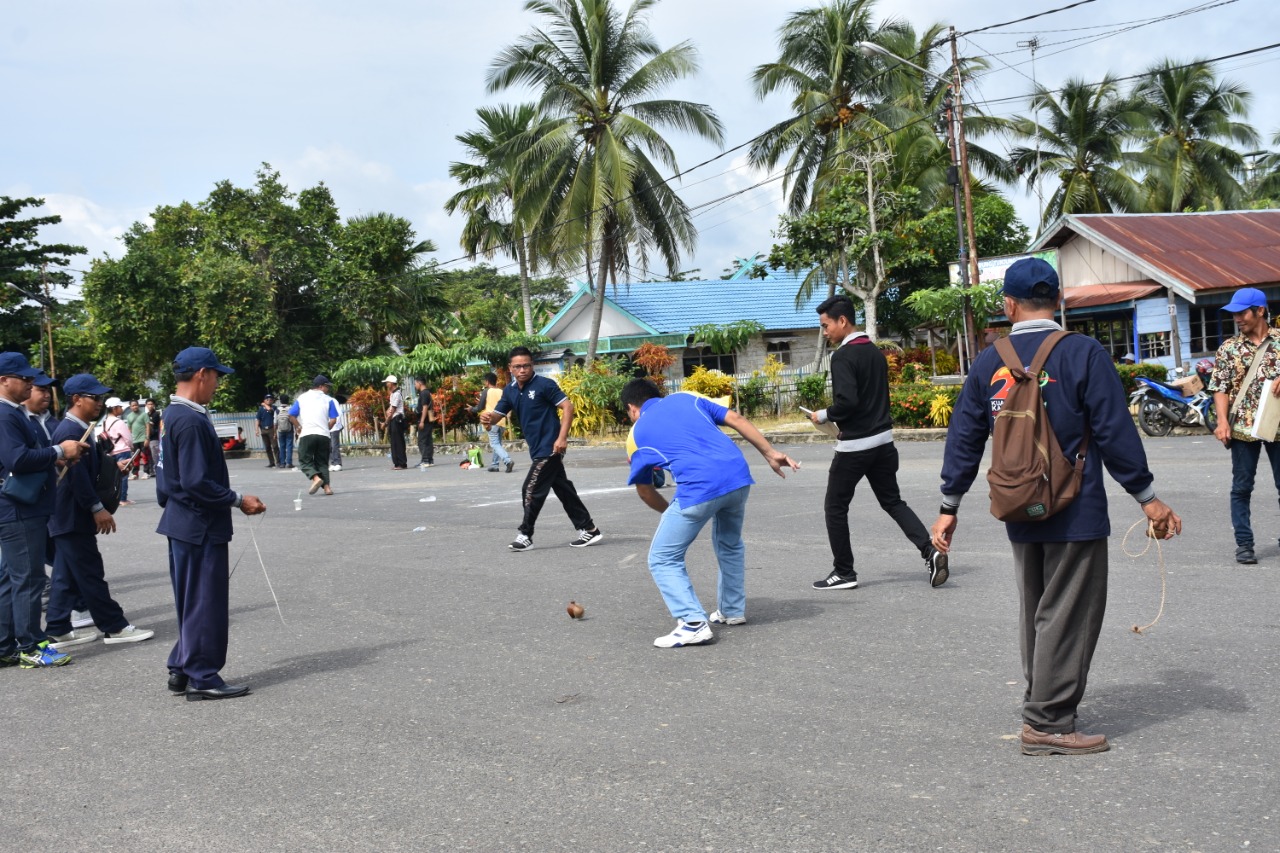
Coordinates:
(426, 690)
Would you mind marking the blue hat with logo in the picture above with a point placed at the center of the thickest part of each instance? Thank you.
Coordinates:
(192, 359)
(1245, 298)
(84, 383)
(16, 364)
(1031, 278)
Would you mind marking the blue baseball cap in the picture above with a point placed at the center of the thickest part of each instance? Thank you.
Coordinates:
(43, 380)
(16, 364)
(1031, 278)
(320, 379)
(84, 383)
(192, 359)
(1245, 298)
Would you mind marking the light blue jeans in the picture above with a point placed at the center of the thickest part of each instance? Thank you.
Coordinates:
(500, 454)
(676, 532)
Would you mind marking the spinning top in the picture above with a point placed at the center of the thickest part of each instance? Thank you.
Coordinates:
(575, 610)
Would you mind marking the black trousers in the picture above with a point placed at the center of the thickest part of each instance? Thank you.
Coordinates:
(395, 434)
(547, 475)
(201, 576)
(80, 578)
(426, 443)
(880, 466)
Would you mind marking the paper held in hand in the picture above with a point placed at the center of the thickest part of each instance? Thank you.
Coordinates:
(1267, 420)
(829, 428)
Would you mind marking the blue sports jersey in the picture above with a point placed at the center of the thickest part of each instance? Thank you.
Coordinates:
(681, 433)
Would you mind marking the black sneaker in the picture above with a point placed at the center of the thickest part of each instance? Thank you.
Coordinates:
(521, 543)
(511, 464)
(1244, 555)
(937, 564)
(835, 580)
(587, 537)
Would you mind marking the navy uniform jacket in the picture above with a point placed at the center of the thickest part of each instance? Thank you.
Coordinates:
(192, 483)
(24, 450)
(77, 494)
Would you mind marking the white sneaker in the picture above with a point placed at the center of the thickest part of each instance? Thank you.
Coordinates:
(335, 467)
(81, 619)
(685, 634)
(129, 634)
(74, 638)
(719, 618)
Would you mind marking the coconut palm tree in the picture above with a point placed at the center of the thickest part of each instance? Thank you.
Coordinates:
(1082, 144)
(821, 65)
(599, 73)
(1193, 120)
(491, 195)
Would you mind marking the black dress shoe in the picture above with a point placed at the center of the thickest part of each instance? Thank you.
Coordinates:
(177, 682)
(226, 691)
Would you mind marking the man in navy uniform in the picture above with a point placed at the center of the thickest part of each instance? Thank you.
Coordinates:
(78, 517)
(24, 534)
(194, 489)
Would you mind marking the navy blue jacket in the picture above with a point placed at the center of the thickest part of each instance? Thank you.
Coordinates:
(77, 492)
(24, 450)
(1080, 382)
(192, 483)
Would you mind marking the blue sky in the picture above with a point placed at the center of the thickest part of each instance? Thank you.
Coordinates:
(116, 108)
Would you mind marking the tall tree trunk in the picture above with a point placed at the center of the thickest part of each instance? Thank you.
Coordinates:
(597, 310)
(526, 303)
(877, 262)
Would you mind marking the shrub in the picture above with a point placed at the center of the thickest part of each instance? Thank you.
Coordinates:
(366, 409)
(453, 396)
(947, 363)
(916, 406)
(940, 409)
(1129, 374)
(913, 372)
(655, 359)
(594, 392)
(713, 383)
(753, 395)
(811, 391)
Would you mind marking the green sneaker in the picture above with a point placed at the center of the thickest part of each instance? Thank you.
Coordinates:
(41, 656)
(10, 659)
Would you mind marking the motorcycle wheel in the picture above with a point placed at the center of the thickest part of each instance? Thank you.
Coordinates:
(1153, 420)
(1211, 419)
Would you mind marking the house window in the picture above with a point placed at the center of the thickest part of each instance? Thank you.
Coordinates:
(781, 350)
(694, 356)
(1208, 330)
(1154, 345)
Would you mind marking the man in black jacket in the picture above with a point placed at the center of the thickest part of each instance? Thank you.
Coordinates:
(864, 448)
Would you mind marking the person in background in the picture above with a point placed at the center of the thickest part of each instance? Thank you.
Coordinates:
(153, 437)
(395, 423)
(136, 418)
(489, 397)
(284, 434)
(314, 413)
(426, 424)
(264, 426)
(117, 431)
(335, 441)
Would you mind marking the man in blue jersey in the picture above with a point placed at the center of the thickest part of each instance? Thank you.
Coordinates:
(194, 490)
(681, 433)
(545, 415)
(1061, 561)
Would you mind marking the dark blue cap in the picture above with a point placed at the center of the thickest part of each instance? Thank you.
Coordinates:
(320, 379)
(43, 381)
(1244, 299)
(192, 359)
(16, 364)
(1031, 278)
(84, 383)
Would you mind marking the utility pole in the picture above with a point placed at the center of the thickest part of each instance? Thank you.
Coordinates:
(956, 85)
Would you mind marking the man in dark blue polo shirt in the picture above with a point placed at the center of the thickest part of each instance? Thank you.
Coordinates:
(194, 489)
(26, 452)
(535, 400)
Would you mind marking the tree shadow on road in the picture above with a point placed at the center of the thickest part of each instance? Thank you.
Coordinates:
(1123, 708)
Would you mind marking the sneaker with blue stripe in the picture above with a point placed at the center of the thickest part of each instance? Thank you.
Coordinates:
(42, 655)
(685, 634)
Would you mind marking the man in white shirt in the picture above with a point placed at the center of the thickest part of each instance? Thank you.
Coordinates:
(395, 423)
(313, 415)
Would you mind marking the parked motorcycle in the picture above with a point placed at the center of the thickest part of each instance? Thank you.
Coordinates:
(1162, 406)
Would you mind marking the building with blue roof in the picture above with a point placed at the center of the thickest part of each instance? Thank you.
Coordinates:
(664, 313)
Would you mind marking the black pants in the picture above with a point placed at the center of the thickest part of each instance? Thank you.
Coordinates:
(395, 434)
(269, 445)
(880, 466)
(79, 578)
(426, 444)
(547, 475)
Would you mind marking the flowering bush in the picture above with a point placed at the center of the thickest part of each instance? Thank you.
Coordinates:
(919, 406)
(453, 396)
(655, 359)
(595, 393)
(713, 383)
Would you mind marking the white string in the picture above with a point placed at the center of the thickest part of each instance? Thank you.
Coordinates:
(1150, 534)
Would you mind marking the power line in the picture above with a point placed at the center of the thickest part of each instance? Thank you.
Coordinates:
(1027, 18)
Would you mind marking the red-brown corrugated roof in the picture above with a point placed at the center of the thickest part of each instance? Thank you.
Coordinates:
(1087, 295)
(1203, 251)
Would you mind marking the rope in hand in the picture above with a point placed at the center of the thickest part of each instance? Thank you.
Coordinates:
(254, 538)
(1151, 536)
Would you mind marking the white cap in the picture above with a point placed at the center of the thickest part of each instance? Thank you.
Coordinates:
(113, 402)
(391, 378)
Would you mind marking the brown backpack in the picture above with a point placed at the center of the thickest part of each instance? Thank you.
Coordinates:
(1030, 478)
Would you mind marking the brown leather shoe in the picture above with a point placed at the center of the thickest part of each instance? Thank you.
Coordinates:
(1036, 742)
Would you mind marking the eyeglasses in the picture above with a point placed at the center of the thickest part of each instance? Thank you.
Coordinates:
(522, 367)
(26, 379)
(97, 397)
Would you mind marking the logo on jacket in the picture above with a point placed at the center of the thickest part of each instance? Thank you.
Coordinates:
(532, 393)
(1004, 377)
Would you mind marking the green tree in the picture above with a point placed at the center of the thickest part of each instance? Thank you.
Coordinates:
(599, 72)
(484, 301)
(499, 215)
(1192, 120)
(31, 266)
(1082, 144)
(387, 285)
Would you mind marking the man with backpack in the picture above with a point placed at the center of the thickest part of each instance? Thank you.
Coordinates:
(79, 515)
(864, 448)
(1060, 546)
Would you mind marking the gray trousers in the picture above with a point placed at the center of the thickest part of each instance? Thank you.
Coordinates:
(1062, 587)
